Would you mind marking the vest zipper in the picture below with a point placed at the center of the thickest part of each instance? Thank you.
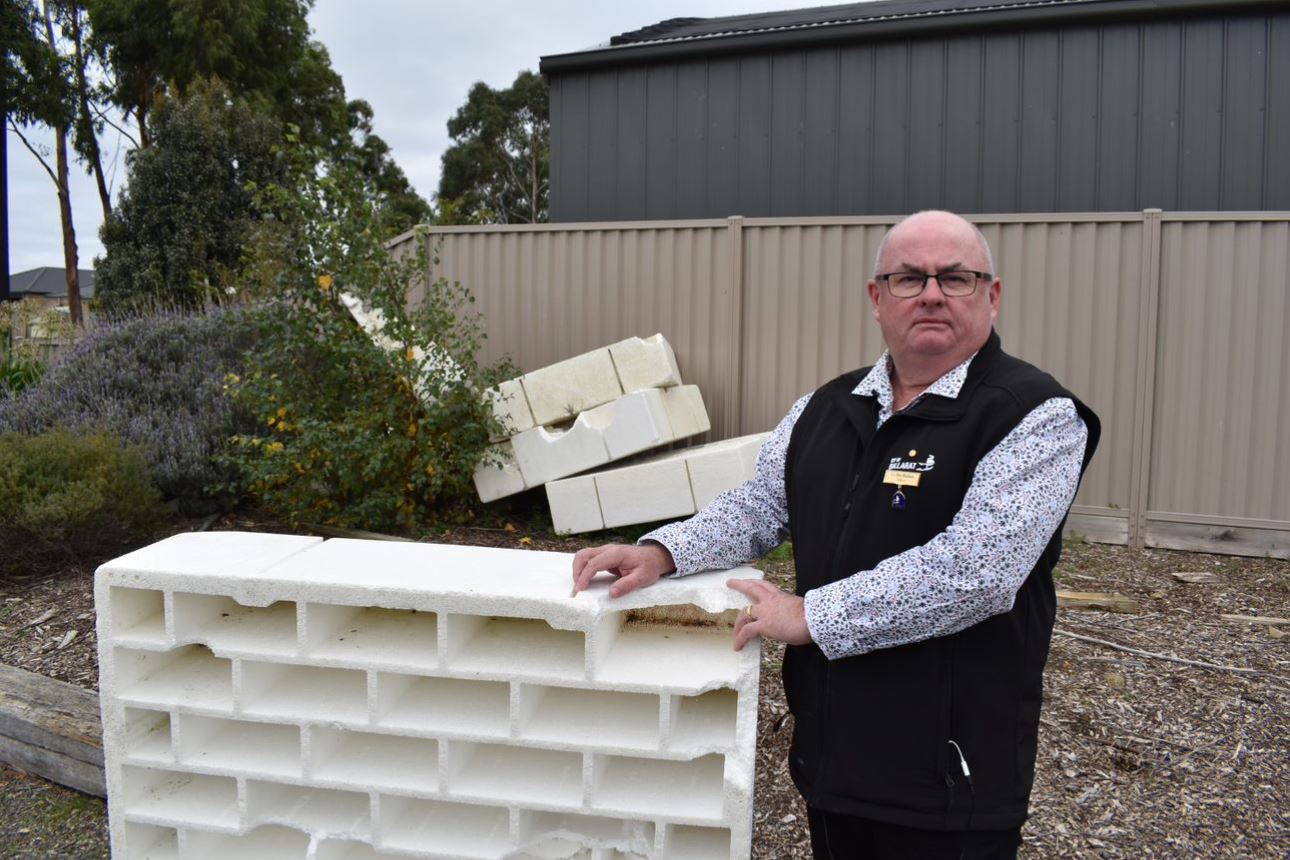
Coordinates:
(851, 492)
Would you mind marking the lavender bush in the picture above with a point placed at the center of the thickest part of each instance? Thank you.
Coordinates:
(157, 383)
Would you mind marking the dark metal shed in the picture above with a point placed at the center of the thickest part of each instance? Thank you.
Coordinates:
(893, 106)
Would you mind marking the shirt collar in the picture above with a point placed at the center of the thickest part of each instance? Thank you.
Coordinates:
(877, 382)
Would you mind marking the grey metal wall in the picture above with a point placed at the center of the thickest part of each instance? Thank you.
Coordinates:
(1170, 326)
(1188, 114)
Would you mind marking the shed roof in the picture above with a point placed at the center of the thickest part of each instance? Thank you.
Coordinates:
(677, 38)
(49, 282)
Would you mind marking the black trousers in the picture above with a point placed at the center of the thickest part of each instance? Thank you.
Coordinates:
(845, 837)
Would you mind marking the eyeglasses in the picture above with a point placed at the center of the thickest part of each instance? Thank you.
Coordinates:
(956, 282)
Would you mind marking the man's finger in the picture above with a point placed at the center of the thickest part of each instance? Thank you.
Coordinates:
(744, 633)
(602, 558)
(755, 590)
(629, 583)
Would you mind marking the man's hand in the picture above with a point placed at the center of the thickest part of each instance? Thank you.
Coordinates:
(635, 566)
(775, 614)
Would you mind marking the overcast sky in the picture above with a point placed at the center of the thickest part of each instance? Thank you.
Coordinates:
(414, 61)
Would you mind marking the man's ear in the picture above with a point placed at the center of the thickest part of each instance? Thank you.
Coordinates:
(996, 294)
(874, 293)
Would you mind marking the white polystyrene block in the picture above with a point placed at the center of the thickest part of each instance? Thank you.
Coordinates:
(431, 365)
(655, 490)
(630, 424)
(575, 507)
(665, 486)
(510, 407)
(499, 475)
(239, 747)
(685, 411)
(633, 423)
(723, 466)
(436, 702)
(560, 391)
(645, 363)
(544, 455)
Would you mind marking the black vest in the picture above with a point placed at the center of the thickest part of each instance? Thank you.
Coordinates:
(872, 733)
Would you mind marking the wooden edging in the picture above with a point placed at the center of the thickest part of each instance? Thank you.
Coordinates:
(51, 729)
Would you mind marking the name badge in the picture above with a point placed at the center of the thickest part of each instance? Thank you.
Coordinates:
(901, 478)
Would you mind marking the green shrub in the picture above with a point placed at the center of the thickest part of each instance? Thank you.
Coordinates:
(28, 332)
(69, 494)
(17, 373)
(342, 436)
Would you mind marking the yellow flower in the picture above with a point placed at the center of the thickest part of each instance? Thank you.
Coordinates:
(324, 282)
(273, 447)
(282, 412)
(526, 541)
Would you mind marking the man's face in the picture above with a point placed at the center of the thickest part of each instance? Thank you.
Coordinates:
(933, 325)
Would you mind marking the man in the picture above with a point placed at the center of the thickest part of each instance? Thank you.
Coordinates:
(925, 498)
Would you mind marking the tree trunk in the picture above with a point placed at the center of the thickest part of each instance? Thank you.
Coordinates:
(84, 119)
(70, 257)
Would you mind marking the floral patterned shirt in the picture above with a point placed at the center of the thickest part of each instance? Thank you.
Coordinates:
(1019, 494)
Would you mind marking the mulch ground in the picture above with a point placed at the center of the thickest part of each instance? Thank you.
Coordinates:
(1139, 756)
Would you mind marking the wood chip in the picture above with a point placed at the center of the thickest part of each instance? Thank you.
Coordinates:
(42, 618)
(1277, 633)
(1196, 577)
(66, 640)
(1254, 619)
(1097, 600)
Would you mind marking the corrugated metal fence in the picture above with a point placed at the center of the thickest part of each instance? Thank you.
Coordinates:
(1170, 325)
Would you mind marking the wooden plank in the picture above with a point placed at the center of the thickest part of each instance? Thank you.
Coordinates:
(1226, 540)
(53, 766)
(1097, 529)
(51, 728)
(1096, 600)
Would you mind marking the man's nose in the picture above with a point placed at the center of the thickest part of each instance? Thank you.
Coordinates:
(928, 296)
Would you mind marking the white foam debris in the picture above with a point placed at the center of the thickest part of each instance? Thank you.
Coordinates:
(285, 697)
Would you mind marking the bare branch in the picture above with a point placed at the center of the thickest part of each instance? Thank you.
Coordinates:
(32, 149)
(102, 114)
(1154, 656)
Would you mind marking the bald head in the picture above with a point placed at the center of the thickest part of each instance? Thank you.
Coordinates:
(934, 220)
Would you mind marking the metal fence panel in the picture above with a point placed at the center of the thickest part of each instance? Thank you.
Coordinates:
(1170, 326)
(1220, 447)
(550, 293)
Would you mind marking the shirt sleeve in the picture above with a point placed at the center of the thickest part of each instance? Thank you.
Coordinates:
(740, 524)
(1019, 494)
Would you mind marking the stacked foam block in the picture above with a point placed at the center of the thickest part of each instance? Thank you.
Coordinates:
(587, 411)
(622, 400)
(270, 696)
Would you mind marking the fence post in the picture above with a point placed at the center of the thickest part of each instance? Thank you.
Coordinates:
(1145, 383)
(735, 234)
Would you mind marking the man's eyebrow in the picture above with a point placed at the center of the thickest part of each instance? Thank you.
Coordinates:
(952, 267)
